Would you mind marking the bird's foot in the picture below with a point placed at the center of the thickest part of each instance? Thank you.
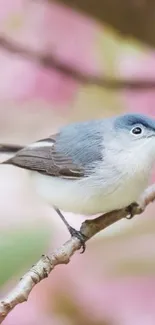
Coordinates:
(80, 236)
(133, 209)
(72, 231)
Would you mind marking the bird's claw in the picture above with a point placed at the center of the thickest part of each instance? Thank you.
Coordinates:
(80, 236)
(133, 209)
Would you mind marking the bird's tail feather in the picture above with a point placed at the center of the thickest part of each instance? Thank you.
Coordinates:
(9, 148)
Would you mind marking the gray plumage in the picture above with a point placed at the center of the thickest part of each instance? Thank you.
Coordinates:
(74, 151)
(95, 166)
(77, 148)
(125, 122)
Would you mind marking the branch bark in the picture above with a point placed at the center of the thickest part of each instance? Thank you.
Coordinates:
(52, 62)
(46, 264)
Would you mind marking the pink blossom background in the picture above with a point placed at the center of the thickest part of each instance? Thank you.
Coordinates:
(113, 283)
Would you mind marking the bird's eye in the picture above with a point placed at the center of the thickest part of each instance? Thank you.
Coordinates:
(136, 130)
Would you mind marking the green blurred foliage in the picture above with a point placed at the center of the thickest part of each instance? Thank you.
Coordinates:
(19, 249)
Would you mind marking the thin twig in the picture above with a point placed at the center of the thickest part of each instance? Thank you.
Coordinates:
(46, 264)
(52, 62)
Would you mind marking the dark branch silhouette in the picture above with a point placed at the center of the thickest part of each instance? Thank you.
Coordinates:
(130, 18)
(52, 62)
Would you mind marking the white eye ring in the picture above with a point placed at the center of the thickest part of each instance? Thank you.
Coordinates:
(136, 130)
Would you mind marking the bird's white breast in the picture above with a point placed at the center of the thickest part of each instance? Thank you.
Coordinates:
(91, 196)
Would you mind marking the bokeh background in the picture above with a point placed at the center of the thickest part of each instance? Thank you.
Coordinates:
(60, 64)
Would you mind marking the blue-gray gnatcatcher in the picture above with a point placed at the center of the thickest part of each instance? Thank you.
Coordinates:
(91, 167)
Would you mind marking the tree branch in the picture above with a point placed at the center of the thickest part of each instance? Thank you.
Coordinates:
(46, 264)
(52, 62)
(131, 18)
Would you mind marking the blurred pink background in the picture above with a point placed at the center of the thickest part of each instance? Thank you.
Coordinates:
(113, 283)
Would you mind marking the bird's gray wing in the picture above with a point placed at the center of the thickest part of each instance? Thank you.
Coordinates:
(74, 152)
(44, 157)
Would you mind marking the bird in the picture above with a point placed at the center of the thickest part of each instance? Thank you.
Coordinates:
(90, 167)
